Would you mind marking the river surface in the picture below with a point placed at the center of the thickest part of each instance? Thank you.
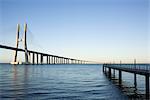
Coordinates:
(59, 82)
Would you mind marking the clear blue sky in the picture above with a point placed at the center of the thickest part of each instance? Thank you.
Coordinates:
(97, 30)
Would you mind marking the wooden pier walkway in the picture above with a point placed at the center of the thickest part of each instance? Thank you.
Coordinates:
(135, 69)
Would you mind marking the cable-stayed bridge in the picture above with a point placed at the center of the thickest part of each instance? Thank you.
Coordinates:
(34, 57)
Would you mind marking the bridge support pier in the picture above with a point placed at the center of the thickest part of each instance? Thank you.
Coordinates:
(58, 60)
(68, 61)
(33, 58)
(47, 59)
(54, 60)
(147, 86)
(41, 59)
(64, 61)
(51, 60)
(37, 58)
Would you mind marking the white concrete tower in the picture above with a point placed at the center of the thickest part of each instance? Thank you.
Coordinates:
(25, 44)
(24, 40)
(17, 44)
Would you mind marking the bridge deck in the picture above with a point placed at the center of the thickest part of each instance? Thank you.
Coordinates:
(30, 51)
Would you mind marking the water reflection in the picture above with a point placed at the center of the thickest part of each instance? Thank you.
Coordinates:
(55, 82)
(20, 80)
(14, 74)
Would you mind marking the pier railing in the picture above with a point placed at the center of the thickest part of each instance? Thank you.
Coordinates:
(140, 67)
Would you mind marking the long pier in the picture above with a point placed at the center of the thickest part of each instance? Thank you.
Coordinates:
(50, 59)
(110, 69)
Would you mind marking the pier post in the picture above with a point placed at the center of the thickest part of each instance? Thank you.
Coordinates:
(114, 72)
(120, 77)
(135, 82)
(147, 86)
(109, 70)
(33, 58)
(103, 68)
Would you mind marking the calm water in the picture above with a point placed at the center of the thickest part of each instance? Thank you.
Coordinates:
(59, 82)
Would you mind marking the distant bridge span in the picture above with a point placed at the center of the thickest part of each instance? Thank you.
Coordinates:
(51, 59)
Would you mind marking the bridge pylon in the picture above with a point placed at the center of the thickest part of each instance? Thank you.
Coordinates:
(24, 40)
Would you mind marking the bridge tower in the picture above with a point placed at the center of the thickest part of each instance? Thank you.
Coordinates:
(25, 44)
(24, 40)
